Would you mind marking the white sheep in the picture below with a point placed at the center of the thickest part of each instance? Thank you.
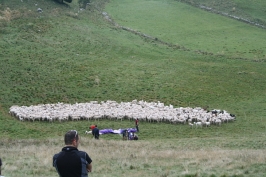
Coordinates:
(88, 132)
(198, 124)
(191, 125)
(218, 122)
(145, 111)
(21, 118)
(207, 124)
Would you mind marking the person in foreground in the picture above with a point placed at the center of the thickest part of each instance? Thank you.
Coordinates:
(71, 162)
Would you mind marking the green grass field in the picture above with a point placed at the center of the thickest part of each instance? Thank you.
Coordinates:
(249, 9)
(191, 27)
(67, 54)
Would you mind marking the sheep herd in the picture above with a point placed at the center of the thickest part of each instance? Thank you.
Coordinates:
(112, 110)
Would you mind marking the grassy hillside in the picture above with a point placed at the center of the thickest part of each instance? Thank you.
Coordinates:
(191, 27)
(67, 54)
(249, 9)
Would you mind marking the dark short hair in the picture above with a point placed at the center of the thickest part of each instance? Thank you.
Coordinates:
(70, 136)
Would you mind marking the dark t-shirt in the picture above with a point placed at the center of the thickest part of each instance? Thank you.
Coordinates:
(71, 162)
(96, 132)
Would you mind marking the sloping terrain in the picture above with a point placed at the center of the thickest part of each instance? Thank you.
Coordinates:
(251, 10)
(52, 52)
(67, 54)
(192, 28)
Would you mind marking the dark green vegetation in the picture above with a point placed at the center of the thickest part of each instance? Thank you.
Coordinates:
(65, 54)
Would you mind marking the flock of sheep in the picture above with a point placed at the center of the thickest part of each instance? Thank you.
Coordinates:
(144, 111)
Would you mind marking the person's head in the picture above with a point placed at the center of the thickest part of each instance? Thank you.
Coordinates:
(95, 125)
(72, 138)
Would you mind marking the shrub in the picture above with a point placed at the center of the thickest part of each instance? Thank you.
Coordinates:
(83, 3)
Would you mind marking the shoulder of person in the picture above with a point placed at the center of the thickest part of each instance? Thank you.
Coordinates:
(57, 154)
(81, 152)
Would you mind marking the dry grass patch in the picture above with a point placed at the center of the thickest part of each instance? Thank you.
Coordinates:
(128, 158)
(9, 14)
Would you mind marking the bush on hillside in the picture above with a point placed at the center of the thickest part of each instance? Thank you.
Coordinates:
(61, 1)
(83, 3)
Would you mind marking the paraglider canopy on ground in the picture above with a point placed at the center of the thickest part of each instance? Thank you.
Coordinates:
(119, 131)
(127, 133)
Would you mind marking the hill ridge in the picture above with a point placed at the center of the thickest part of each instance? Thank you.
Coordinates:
(180, 47)
(213, 10)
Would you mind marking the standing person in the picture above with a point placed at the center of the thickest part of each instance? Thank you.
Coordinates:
(96, 132)
(71, 162)
(137, 124)
(124, 133)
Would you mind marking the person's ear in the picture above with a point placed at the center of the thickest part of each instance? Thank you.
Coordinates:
(74, 141)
